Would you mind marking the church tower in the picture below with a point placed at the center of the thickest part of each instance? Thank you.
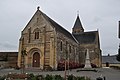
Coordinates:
(77, 28)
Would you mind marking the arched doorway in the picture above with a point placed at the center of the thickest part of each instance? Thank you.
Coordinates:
(36, 60)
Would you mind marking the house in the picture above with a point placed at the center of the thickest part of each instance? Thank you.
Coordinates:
(110, 60)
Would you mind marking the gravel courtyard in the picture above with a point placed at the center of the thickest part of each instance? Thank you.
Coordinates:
(108, 73)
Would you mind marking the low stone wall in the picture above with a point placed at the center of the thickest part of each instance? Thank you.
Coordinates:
(17, 76)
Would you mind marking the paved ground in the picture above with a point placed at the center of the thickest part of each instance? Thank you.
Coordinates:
(110, 74)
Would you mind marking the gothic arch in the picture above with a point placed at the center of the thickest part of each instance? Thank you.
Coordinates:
(31, 51)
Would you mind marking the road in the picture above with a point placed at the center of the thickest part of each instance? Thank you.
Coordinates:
(108, 73)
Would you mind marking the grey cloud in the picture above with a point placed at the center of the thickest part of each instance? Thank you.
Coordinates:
(94, 14)
(7, 45)
(97, 19)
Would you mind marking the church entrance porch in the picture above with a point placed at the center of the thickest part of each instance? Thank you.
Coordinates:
(36, 60)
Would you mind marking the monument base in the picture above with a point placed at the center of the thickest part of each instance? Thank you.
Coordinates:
(87, 69)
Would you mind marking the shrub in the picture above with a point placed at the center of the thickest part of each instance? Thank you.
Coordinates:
(58, 77)
(39, 77)
(82, 65)
(17, 68)
(48, 77)
(33, 78)
(70, 77)
(2, 77)
(93, 65)
(31, 75)
(87, 78)
(80, 78)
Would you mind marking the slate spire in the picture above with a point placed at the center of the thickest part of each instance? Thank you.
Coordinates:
(77, 28)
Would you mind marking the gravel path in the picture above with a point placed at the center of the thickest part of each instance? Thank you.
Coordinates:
(108, 73)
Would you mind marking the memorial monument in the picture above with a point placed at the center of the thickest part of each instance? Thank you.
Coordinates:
(87, 60)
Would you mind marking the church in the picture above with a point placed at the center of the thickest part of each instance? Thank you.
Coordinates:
(48, 45)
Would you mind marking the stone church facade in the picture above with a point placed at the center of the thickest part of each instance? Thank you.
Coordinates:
(47, 43)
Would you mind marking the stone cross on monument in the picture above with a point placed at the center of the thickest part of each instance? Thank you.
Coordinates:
(87, 60)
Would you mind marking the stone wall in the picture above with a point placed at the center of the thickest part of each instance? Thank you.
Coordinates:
(69, 48)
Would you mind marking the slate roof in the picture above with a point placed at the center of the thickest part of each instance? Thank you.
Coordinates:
(86, 37)
(110, 59)
(11, 54)
(59, 28)
(78, 24)
(82, 38)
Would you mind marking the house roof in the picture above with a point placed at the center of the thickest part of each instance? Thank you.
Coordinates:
(11, 55)
(110, 59)
(86, 37)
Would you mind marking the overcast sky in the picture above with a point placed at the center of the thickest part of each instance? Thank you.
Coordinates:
(102, 15)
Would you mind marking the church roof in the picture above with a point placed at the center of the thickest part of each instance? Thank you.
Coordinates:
(59, 28)
(86, 37)
(78, 24)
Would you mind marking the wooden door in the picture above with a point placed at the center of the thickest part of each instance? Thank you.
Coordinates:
(36, 59)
